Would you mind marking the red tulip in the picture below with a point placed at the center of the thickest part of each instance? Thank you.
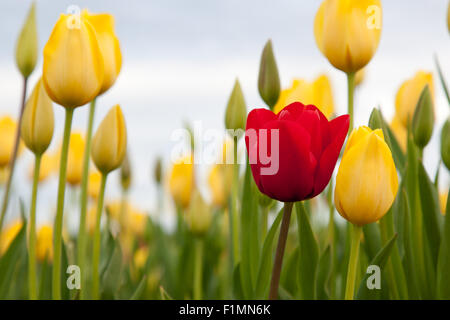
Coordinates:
(295, 161)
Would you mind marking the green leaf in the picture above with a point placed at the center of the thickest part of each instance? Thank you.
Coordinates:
(443, 267)
(237, 286)
(372, 239)
(364, 293)
(441, 77)
(111, 278)
(107, 245)
(164, 294)
(266, 263)
(140, 288)
(309, 253)
(323, 275)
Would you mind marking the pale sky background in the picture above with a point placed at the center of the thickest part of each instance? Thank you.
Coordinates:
(180, 59)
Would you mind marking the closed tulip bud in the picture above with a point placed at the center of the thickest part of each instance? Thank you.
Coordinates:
(125, 173)
(109, 46)
(268, 79)
(157, 173)
(44, 243)
(8, 127)
(236, 112)
(445, 144)
(199, 216)
(366, 182)
(73, 64)
(38, 120)
(75, 158)
(27, 44)
(423, 119)
(375, 119)
(409, 93)
(348, 32)
(109, 144)
(181, 181)
(317, 92)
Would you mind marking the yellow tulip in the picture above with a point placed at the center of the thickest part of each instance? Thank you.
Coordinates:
(199, 215)
(317, 92)
(181, 181)
(73, 64)
(75, 158)
(109, 144)
(44, 243)
(348, 32)
(366, 182)
(219, 180)
(94, 181)
(400, 132)
(9, 234)
(409, 93)
(360, 75)
(48, 167)
(8, 128)
(91, 218)
(136, 222)
(109, 46)
(38, 120)
(140, 257)
(443, 196)
(4, 173)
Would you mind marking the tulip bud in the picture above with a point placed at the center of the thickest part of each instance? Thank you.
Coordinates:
(44, 243)
(125, 173)
(348, 32)
(445, 144)
(268, 79)
(236, 112)
(423, 120)
(27, 44)
(448, 17)
(38, 120)
(199, 216)
(181, 181)
(366, 182)
(158, 171)
(375, 119)
(73, 70)
(109, 144)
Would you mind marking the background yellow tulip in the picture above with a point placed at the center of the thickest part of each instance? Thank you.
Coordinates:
(400, 132)
(199, 215)
(73, 64)
(109, 46)
(109, 144)
(48, 167)
(44, 243)
(9, 234)
(38, 120)
(443, 196)
(94, 181)
(366, 182)
(75, 158)
(181, 181)
(317, 92)
(8, 127)
(348, 32)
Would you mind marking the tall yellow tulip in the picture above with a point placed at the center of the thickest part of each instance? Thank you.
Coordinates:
(348, 32)
(109, 46)
(75, 158)
(366, 186)
(73, 69)
(8, 127)
(317, 92)
(9, 234)
(181, 181)
(409, 93)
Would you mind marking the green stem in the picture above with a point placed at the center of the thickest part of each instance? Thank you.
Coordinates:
(198, 269)
(81, 248)
(353, 262)
(331, 236)
(265, 217)
(32, 280)
(13, 160)
(96, 245)
(276, 272)
(57, 233)
(351, 89)
(234, 210)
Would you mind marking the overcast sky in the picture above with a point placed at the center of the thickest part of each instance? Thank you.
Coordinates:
(180, 59)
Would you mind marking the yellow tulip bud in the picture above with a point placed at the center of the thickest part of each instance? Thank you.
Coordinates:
(109, 144)
(75, 158)
(109, 46)
(443, 196)
(94, 181)
(348, 32)
(366, 182)
(400, 132)
(409, 93)
(181, 181)
(236, 112)
(8, 235)
(8, 128)
(199, 215)
(73, 64)
(27, 44)
(38, 120)
(44, 243)
(317, 92)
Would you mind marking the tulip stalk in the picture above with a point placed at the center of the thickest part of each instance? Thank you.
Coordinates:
(198, 269)
(331, 236)
(32, 281)
(234, 226)
(81, 249)
(351, 89)
(353, 262)
(14, 156)
(57, 237)
(96, 246)
(276, 272)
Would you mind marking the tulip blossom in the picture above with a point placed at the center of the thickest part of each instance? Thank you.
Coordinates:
(306, 147)
(44, 244)
(75, 158)
(181, 181)
(8, 129)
